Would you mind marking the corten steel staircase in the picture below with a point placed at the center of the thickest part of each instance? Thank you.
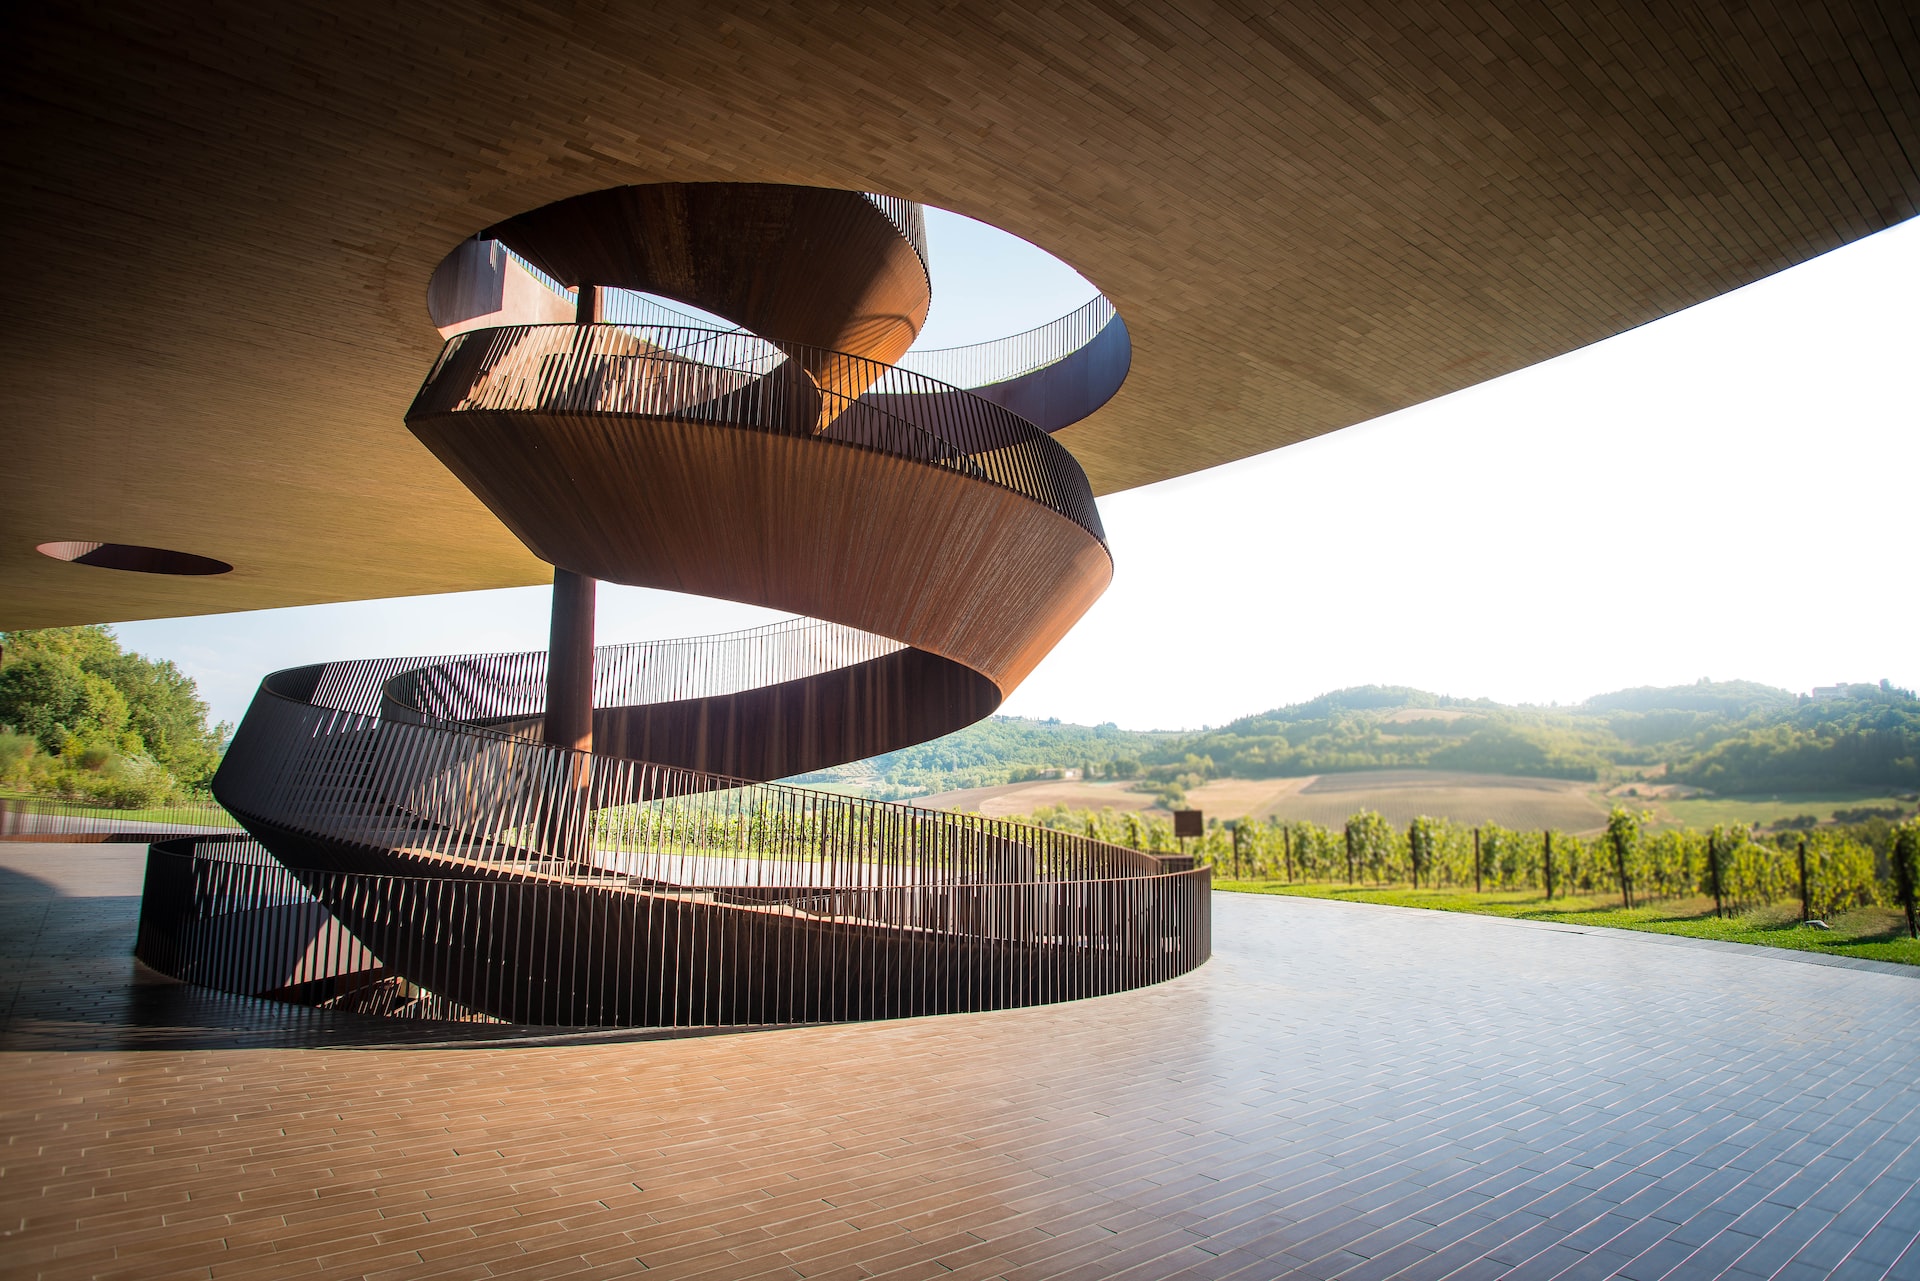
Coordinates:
(431, 853)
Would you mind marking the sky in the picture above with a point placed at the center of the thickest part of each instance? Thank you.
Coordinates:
(1725, 493)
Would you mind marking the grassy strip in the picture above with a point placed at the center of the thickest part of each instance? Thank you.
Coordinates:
(207, 813)
(1871, 933)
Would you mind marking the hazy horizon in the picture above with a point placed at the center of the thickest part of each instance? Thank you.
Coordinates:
(1455, 699)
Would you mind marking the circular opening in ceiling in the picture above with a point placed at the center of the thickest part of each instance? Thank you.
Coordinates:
(138, 560)
(935, 294)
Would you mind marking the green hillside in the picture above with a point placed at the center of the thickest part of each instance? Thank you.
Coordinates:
(81, 718)
(1724, 738)
(1000, 749)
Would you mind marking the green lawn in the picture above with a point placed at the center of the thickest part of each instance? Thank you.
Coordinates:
(1705, 811)
(1872, 933)
(208, 814)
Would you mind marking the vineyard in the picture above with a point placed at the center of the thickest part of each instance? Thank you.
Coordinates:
(1820, 873)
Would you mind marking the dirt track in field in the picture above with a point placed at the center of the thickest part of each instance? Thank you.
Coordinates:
(1023, 798)
(1400, 795)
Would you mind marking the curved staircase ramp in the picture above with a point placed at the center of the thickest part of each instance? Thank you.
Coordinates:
(936, 544)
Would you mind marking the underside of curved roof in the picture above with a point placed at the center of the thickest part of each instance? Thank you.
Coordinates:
(221, 230)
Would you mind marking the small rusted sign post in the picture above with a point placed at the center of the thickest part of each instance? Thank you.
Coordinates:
(1188, 823)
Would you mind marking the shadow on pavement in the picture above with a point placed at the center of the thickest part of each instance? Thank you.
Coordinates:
(72, 984)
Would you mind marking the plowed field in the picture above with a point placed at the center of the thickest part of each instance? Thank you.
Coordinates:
(1325, 798)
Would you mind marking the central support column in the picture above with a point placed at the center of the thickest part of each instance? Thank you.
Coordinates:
(569, 721)
(570, 643)
(570, 662)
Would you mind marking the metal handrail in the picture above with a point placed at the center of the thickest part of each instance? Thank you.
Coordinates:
(967, 366)
(511, 892)
(499, 687)
(907, 216)
(1003, 359)
(737, 379)
(30, 816)
(223, 914)
(621, 306)
(460, 791)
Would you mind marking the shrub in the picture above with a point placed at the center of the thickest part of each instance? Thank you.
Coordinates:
(1623, 840)
(1375, 846)
(130, 782)
(1752, 873)
(1905, 860)
(1840, 873)
(1423, 845)
(1503, 859)
(17, 753)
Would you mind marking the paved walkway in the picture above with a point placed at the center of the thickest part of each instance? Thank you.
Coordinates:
(1344, 1091)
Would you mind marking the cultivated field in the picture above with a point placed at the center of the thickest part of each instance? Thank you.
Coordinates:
(1402, 795)
(1325, 798)
(1009, 799)
(1705, 811)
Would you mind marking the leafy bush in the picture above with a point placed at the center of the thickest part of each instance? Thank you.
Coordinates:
(1752, 873)
(17, 752)
(1904, 857)
(1374, 846)
(1505, 860)
(1841, 866)
(1840, 874)
(1623, 840)
(128, 782)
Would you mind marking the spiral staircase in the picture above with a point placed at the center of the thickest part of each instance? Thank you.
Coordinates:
(588, 837)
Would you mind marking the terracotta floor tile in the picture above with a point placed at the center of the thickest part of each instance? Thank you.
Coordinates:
(1299, 1088)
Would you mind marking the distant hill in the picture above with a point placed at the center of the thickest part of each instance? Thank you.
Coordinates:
(1728, 737)
(1720, 698)
(1000, 749)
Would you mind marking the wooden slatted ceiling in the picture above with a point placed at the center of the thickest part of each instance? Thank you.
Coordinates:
(220, 226)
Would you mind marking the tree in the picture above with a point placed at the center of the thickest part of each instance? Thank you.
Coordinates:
(105, 723)
(51, 697)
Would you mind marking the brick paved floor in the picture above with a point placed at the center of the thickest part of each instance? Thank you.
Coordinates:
(1344, 1091)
